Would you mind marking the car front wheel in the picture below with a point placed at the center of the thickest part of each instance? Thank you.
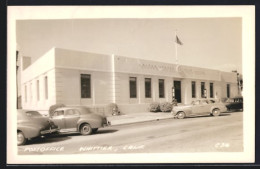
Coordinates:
(181, 115)
(216, 112)
(21, 140)
(85, 129)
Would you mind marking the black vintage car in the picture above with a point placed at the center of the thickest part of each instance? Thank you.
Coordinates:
(235, 103)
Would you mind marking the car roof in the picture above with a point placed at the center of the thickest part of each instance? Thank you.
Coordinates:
(82, 109)
(237, 97)
(63, 108)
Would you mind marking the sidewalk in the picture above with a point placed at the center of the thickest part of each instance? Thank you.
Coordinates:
(138, 117)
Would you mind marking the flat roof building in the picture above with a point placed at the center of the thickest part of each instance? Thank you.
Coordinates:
(81, 78)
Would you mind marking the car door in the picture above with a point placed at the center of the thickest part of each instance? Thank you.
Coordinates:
(58, 118)
(71, 118)
(206, 106)
(196, 107)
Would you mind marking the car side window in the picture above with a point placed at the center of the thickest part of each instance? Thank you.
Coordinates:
(197, 102)
(76, 112)
(58, 113)
(70, 112)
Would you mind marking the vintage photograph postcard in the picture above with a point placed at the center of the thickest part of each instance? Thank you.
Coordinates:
(130, 84)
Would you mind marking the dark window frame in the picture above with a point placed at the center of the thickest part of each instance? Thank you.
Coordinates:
(193, 89)
(161, 86)
(211, 90)
(202, 87)
(85, 79)
(132, 87)
(148, 87)
(228, 90)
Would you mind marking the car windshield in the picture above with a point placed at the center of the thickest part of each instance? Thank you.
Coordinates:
(58, 113)
(204, 102)
(85, 111)
(33, 114)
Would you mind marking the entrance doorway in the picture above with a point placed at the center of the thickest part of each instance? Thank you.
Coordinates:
(177, 86)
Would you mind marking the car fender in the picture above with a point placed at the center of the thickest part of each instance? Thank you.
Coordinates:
(186, 110)
(214, 107)
(92, 121)
(29, 131)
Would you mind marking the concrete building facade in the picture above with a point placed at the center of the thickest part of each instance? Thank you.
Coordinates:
(95, 80)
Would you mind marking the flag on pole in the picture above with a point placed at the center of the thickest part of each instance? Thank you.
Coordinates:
(178, 41)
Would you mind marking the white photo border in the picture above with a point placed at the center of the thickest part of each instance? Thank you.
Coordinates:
(247, 13)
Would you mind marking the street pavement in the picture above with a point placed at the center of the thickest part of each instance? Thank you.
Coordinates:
(197, 134)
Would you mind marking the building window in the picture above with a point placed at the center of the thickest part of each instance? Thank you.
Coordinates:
(202, 89)
(132, 85)
(161, 88)
(193, 89)
(85, 81)
(148, 87)
(38, 90)
(46, 87)
(228, 90)
(25, 93)
(211, 90)
(31, 95)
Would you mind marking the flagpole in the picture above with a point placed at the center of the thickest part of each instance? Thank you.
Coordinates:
(176, 53)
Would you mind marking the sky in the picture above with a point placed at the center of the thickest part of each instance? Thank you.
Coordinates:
(214, 43)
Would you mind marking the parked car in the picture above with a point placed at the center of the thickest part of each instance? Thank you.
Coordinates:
(235, 103)
(78, 119)
(199, 107)
(31, 124)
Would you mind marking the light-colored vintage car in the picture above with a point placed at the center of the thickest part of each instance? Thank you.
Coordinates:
(199, 107)
(77, 119)
(31, 124)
